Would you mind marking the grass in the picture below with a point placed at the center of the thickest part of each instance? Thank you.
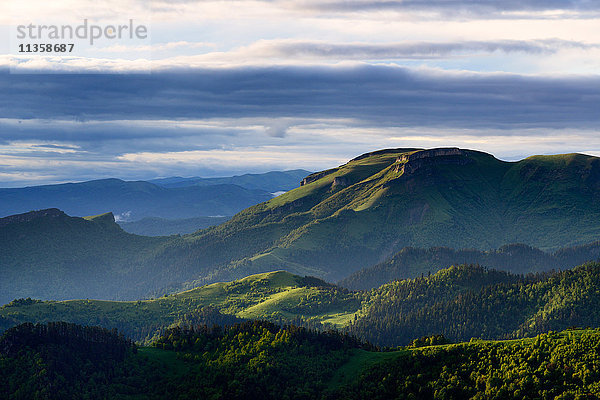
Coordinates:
(268, 295)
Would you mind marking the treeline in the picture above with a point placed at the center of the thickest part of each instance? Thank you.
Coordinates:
(470, 301)
(413, 262)
(551, 366)
(59, 360)
(258, 359)
(249, 360)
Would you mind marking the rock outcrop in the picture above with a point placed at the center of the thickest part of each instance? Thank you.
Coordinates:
(32, 215)
(410, 163)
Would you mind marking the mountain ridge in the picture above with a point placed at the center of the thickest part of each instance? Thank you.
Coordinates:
(355, 216)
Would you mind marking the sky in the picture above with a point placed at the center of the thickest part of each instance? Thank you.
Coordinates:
(216, 88)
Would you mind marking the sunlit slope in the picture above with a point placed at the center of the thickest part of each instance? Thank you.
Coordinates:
(361, 212)
(274, 295)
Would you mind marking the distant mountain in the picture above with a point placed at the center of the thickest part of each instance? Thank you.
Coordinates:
(411, 262)
(151, 226)
(132, 201)
(274, 181)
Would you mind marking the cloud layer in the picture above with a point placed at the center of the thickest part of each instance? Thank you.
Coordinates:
(379, 94)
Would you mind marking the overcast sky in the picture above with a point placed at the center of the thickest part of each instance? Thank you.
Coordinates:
(227, 87)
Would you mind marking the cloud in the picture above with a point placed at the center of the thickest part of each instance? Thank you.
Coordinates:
(278, 128)
(404, 50)
(457, 8)
(388, 94)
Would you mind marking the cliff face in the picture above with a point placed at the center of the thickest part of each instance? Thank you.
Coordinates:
(316, 176)
(411, 163)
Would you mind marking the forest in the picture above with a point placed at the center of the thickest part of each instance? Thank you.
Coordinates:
(259, 359)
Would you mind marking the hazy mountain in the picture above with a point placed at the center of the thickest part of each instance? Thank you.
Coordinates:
(131, 200)
(170, 198)
(50, 255)
(273, 181)
(152, 226)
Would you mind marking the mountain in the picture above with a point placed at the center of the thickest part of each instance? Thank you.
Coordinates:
(132, 200)
(361, 213)
(48, 254)
(274, 181)
(459, 302)
(411, 262)
(336, 223)
(152, 226)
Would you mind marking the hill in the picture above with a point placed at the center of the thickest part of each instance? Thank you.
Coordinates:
(361, 213)
(243, 361)
(279, 296)
(459, 302)
(411, 262)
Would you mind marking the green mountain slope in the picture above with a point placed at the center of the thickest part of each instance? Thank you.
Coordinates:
(364, 211)
(459, 302)
(339, 221)
(47, 254)
(411, 262)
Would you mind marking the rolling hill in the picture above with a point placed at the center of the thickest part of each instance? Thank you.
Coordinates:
(276, 295)
(459, 302)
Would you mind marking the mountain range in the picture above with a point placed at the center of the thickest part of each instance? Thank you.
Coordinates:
(336, 223)
(134, 200)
